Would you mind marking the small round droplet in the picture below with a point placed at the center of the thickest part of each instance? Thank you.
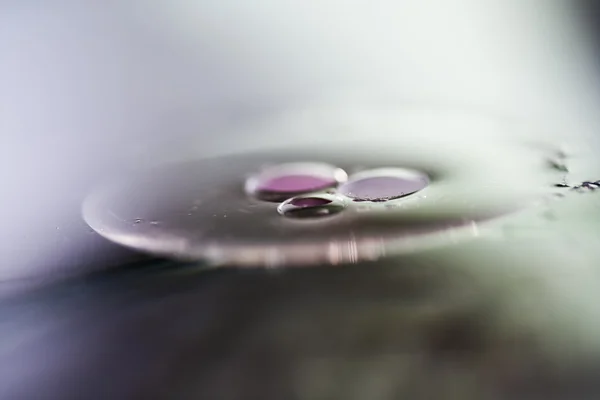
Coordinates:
(280, 182)
(313, 206)
(384, 184)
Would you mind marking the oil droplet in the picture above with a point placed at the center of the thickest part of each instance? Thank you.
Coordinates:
(384, 184)
(313, 206)
(280, 182)
(138, 221)
(587, 185)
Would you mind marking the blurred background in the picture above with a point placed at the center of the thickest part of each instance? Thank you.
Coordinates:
(89, 90)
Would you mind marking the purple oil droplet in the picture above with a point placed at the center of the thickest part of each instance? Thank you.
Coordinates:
(282, 181)
(313, 206)
(384, 184)
(295, 183)
(309, 201)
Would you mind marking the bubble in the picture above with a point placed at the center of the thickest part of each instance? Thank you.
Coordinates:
(280, 182)
(384, 184)
(313, 206)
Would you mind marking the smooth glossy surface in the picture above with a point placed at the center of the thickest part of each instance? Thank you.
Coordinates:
(313, 206)
(384, 184)
(205, 215)
(282, 181)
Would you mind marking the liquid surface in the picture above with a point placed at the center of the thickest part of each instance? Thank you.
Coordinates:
(205, 216)
(313, 206)
(384, 184)
(279, 182)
